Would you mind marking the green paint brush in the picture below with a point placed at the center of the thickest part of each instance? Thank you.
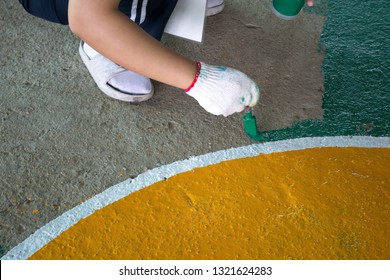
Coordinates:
(250, 126)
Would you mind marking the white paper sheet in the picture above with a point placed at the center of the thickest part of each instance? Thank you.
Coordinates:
(187, 20)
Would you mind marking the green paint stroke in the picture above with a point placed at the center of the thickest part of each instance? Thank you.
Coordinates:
(356, 69)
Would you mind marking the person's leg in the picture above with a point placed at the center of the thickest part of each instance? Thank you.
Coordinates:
(51, 10)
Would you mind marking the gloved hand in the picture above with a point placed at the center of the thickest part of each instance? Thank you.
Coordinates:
(222, 90)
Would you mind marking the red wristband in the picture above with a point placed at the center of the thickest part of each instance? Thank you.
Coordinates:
(196, 77)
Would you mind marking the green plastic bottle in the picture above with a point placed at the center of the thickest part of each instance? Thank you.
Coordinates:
(287, 9)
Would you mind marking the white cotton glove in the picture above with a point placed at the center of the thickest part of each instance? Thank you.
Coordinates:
(222, 90)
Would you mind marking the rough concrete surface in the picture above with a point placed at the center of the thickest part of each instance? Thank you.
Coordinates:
(63, 141)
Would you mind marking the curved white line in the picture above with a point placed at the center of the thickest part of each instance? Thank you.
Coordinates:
(54, 228)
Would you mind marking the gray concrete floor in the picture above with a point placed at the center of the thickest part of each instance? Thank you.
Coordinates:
(63, 141)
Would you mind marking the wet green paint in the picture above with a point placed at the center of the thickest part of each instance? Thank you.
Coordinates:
(356, 38)
(250, 127)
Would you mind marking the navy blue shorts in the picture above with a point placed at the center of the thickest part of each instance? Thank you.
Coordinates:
(151, 15)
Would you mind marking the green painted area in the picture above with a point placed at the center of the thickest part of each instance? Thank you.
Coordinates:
(356, 38)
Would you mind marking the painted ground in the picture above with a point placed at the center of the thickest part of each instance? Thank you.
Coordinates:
(323, 194)
(313, 198)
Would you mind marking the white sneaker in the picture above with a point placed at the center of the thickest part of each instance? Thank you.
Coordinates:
(114, 80)
(214, 7)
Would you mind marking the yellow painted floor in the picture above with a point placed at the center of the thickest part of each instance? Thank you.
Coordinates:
(320, 203)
